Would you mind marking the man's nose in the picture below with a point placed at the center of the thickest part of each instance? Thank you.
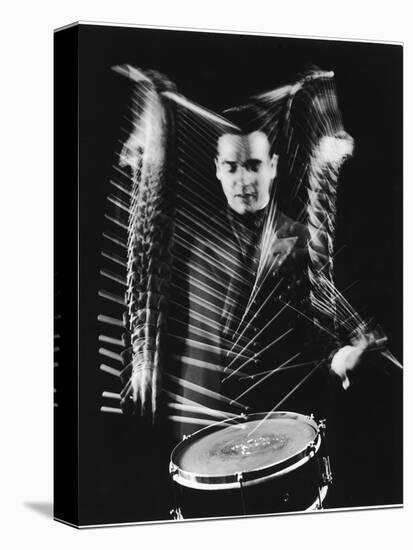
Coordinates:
(244, 177)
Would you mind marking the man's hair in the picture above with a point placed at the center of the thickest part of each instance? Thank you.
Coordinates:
(248, 118)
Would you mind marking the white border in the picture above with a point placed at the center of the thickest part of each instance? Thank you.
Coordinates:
(26, 278)
(219, 518)
(222, 31)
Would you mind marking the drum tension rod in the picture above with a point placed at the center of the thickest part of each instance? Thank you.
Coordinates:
(240, 478)
(325, 467)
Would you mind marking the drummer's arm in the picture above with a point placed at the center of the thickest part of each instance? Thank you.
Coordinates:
(141, 376)
(340, 358)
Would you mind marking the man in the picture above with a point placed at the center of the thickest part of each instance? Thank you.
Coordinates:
(249, 338)
(241, 336)
(248, 335)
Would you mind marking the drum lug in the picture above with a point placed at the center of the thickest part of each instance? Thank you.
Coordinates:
(173, 469)
(311, 449)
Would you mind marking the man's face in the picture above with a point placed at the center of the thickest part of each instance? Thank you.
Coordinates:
(246, 170)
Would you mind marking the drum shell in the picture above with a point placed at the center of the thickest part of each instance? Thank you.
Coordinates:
(294, 491)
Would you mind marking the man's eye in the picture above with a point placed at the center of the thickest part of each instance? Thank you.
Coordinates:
(254, 166)
(231, 168)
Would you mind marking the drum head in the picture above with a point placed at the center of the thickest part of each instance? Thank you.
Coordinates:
(256, 446)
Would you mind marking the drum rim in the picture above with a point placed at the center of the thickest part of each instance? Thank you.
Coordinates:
(250, 477)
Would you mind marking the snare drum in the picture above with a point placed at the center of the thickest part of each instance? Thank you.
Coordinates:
(257, 464)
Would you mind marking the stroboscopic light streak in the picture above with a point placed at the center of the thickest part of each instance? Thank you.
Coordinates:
(304, 120)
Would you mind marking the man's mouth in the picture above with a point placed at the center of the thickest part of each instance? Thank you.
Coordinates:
(245, 196)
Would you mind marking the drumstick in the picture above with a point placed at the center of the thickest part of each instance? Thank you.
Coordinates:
(208, 207)
(205, 304)
(112, 297)
(198, 317)
(258, 334)
(193, 278)
(308, 318)
(224, 254)
(207, 135)
(199, 364)
(115, 240)
(200, 409)
(287, 396)
(388, 355)
(185, 400)
(121, 172)
(121, 188)
(111, 395)
(295, 366)
(111, 354)
(268, 375)
(111, 320)
(256, 355)
(190, 420)
(199, 421)
(275, 264)
(194, 107)
(110, 370)
(111, 410)
(193, 328)
(114, 258)
(207, 199)
(204, 391)
(257, 312)
(131, 72)
(113, 277)
(198, 344)
(110, 340)
(117, 202)
(116, 222)
(298, 385)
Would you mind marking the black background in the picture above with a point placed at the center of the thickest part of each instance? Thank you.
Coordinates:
(117, 482)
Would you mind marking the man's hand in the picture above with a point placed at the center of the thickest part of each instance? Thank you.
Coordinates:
(332, 151)
(283, 246)
(143, 391)
(344, 361)
(348, 357)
